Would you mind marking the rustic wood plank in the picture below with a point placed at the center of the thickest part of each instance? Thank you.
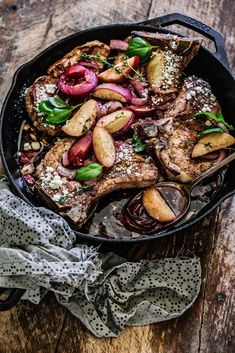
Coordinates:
(205, 328)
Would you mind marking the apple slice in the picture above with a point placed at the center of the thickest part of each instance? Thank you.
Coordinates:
(156, 206)
(104, 147)
(155, 68)
(82, 120)
(116, 121)
(118, 72)
(112, 92)
(211, 143)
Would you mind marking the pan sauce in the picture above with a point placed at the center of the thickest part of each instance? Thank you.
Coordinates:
(122, 215)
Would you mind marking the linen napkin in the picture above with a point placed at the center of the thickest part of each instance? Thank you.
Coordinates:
(38, 252)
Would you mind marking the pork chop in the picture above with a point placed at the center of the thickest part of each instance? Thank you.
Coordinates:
(195, 96)
(174, 145)
(43, 88)
(130, 171)
(94, 47)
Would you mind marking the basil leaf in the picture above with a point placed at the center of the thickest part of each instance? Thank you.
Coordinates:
(139, 146)
(219, 118)
(57, 102)
(210, 131)
(88, 172)
(45, 107)
(141, 47)
(57, 116)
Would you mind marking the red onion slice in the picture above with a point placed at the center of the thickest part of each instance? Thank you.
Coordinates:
(118, 44)
(90, 65)
(138, 86)
(65, 159)
(139, 101)
(65, 172)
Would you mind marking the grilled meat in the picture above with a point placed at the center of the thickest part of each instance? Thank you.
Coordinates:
(173, 148)
(129, 171)
(194, 96)
(43, 88)
(164, 70)
(94, 47)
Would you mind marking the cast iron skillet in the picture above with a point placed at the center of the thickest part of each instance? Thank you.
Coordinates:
(212, 66)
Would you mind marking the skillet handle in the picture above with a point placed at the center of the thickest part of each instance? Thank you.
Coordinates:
(192, 23)
(13, 298)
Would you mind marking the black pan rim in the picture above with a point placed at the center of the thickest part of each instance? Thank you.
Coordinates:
(84, 236)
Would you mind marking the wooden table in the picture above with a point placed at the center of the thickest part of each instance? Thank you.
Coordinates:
(27, 27)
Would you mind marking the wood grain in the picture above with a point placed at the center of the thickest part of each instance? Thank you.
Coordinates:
(29, 26)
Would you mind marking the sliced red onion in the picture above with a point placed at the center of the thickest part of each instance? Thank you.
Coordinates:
(70, 82)
(141, 110)
(138, 86)
(118, 44)
(109, 107)
(90, 65)
(24, 159)
(65, 159)
(112, 91)
(72, 185)
(29, 179)
(65, 172)
(139, 101)
(218, 155)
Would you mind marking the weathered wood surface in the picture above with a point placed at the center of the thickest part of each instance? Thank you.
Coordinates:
(27, 27)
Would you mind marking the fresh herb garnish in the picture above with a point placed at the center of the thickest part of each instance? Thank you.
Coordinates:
(88, 172)
(189, 142)
(119, 115)
(75, 192)
(141, 47)
(139, 146)
(110, 65)
(219, 118)
(55, 110)
(208, 144)
(210, 131)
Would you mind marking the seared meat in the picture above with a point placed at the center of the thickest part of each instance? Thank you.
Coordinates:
(146, 128)
(195, 96)
(74, 56)
(164, 70)
(129, 171)
(43, 88)
(173, 148)
(188, 47)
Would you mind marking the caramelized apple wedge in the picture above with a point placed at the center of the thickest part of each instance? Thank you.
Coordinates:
(211, 143)
(156, 206)
(112, 92)
(119, 72)
(104, 147)
(82, 120)
(155, 69)
(116, 121)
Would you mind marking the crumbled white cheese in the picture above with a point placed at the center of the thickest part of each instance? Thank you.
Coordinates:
(49, 169)
(50, 88)
(56, 197)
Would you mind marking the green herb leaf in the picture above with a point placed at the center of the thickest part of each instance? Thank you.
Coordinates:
(210, 131)
(219, 118)
(45, 107)
(88, 172)
(57, 102)
(139, 146)
(57, 116)
(141, 47)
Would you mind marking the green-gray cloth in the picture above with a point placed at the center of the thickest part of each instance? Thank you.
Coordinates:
(38, 252)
